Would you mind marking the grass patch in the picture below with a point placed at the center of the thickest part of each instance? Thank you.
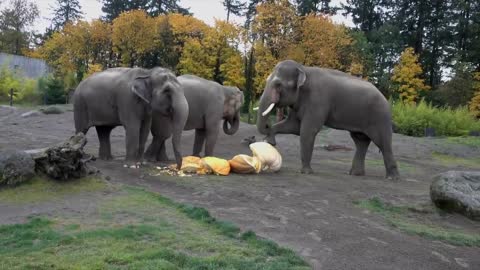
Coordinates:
(135, 229)
(42, 189)
(396, 216)
(467, 140)
(456, 161)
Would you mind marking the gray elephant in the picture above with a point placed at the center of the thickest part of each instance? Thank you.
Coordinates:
(126, 97)
(319, 97)
(209, 103)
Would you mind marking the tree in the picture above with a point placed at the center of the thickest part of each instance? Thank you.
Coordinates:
(66, 11)
(474, 104)
(113, 8)
(235, 7)
(324, 43)
(158, 7)
(306, 7)
(407, 77)
(459, 90)
(14, 21)
(132, 36)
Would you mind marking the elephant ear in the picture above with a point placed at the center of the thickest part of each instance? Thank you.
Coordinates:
(302, 77)
(142, 88)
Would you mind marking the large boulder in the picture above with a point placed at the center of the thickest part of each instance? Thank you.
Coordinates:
(51, 110)
(456, 191)
(16, 167)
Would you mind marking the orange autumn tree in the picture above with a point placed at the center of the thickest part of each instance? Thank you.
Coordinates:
(406, 75)
(324, 43)
(133, 35)
(474, 104)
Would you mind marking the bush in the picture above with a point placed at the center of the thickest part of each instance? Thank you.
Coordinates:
(52, 89)
(25, 90)
(412, 120)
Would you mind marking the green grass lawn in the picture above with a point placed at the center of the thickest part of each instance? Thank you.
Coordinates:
(132, 229)
(397, 216)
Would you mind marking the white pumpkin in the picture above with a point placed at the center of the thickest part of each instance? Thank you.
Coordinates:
(268, 155)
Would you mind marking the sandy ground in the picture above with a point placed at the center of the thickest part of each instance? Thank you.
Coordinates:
(312, 214)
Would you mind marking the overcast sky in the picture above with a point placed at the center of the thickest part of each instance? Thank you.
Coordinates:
(206, 10)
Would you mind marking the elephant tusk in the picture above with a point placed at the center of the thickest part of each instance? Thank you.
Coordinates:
(269, 109)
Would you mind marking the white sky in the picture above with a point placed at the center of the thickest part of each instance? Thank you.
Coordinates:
(206, 10)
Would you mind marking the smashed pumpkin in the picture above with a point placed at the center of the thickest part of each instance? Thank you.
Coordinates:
(191, 164)
(214, 165)
(245, 164)
(269, 157)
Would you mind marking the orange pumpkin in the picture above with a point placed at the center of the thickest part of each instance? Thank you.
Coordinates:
(245, 164)
(214, 165)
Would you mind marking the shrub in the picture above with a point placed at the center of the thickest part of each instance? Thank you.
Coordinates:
(52, 89)
(412, 120)
(25, 90)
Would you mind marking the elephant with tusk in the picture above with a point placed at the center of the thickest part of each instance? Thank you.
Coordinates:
(318, 97)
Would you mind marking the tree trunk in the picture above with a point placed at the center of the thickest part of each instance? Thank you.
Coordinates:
(63, 161)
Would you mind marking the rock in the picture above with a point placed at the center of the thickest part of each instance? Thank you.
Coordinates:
(456, 191)
(30, 114)
(51, 110)
(16, 167)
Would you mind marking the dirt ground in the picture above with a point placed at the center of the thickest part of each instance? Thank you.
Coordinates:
(315, 215)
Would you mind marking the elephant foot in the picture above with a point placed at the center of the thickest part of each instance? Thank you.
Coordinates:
(105, 157)
(357, 172)
(393, 177)
(271, 140)
(307, 170)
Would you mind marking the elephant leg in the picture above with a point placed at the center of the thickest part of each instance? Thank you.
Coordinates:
(132, 142)
(151, 152)
(308, 132)
(162, 152)
(199, 141)
(290, 125)
(103, 132)
(362, 142)
(143, 136)
(383, 140)
(210, 141)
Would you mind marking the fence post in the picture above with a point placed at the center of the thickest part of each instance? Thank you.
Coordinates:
(11, 97)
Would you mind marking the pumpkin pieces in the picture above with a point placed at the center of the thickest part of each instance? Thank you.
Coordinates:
(265, 158)
(245, 164)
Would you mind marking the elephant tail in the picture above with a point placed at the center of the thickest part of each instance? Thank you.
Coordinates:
(80, 115)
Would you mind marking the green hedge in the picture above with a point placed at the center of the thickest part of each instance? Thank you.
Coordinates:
(412, 120)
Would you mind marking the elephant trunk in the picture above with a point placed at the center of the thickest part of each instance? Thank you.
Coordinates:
(265, 107)
(234, 124)
(179, 119)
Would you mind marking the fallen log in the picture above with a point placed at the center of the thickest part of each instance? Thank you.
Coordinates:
(63, 161)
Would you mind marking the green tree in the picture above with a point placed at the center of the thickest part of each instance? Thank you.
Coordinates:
(459, 90)
(66, 11)
(235, 7)
(306, 7)
(14, 21)
(158, 7)
(113, 8)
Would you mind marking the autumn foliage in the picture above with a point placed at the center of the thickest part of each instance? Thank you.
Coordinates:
(474, 104)
(406, 74)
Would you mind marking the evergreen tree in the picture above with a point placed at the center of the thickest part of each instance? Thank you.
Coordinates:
(235, 7)
(113, 8)
(14, 20)
(157, 7)
(315, 6)
(66, 11)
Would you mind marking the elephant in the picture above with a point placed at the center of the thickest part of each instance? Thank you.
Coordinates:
(209, 103)
(318, 97)
(127, 97)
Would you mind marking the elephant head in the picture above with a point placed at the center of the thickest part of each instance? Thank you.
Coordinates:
(231, 109)
(281, 90)
(162, 91)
